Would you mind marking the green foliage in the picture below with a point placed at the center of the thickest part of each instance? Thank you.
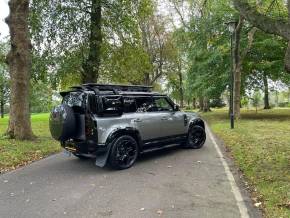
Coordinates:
(4, 75)
(60, 35)
(256, 99)
(266, 56)
(209, 50)
(40, 97)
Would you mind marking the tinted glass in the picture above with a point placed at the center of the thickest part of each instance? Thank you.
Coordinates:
(144, 104)
(162, 104)
(130, 105)
(74, 99)
(112, 105)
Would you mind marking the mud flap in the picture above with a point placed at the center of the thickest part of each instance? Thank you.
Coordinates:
(101, 159)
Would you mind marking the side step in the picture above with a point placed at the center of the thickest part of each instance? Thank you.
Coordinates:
(159, 148)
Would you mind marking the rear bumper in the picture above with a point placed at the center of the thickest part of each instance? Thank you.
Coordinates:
(85, 148)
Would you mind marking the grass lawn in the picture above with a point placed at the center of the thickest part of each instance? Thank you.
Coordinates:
(14, 153)
(260, 145)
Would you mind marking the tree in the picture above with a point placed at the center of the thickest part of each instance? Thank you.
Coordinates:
(19, 62)
(154, 41)
(256, 99)
(264, 63)
(80, 38)
(4, 78)
(91, 64)
(239, 56)
(209, 51)
(4, 88)
(268, 24)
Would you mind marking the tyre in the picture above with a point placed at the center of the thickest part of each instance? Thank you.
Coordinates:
(196, 137)
(123, 153)
(81, 157)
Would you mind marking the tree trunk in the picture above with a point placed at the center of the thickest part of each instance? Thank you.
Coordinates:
(239, 58)
(147, 79)
(277, 98)
(19, 61)
(2, 107)
(2, 101)
(91, 65)
(266, 91)
(200, 102)
(206, 104)
(237, 69)
(180, 87)
(194, 103)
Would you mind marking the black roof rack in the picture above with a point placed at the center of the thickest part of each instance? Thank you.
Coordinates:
(117, 88)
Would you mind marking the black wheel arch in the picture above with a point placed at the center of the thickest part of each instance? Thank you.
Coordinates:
(101, 159)
(125, 131)
(197, 122)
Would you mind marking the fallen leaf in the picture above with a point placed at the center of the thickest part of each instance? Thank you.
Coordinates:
(287, 205)
(159, 212)
(258, 204)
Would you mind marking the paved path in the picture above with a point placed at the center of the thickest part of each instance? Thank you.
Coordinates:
(175, 183)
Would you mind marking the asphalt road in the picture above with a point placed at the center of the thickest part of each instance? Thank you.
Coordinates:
(175, 183)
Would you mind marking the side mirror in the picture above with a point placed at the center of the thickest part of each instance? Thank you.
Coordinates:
(176, 107)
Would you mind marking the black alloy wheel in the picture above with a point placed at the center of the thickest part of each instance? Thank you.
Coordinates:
(124, 152)
(196, 137)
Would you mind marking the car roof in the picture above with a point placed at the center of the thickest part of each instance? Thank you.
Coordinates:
(111, 89)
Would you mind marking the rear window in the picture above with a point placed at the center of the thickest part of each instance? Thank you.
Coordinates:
(74, 99)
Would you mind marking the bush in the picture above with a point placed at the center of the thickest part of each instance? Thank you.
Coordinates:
(217, 103)
(283, 104)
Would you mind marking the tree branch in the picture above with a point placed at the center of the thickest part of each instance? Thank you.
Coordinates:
(263, 22)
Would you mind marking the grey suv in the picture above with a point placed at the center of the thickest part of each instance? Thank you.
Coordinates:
(115, 123)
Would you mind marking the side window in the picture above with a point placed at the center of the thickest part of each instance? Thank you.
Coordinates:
(112, 105)
(162, 104)
(144, 104)
(129, 105)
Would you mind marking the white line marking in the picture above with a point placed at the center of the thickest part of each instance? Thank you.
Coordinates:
(235, 189)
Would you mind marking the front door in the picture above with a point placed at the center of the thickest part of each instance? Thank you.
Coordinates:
(173, 123)
(146, 120)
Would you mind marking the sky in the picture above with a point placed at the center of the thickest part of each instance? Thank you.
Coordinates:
(4, 11)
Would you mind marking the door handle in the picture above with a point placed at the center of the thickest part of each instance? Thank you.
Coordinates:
(137, 120)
